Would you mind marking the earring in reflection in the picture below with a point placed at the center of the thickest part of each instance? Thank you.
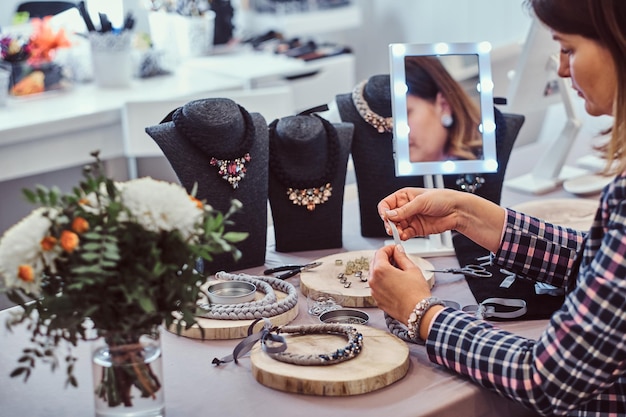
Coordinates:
(447, 120)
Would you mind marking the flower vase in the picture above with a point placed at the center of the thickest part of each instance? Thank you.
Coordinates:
(27, 78)
(128, 375)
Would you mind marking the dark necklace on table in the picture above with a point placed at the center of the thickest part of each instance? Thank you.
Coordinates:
(230, 163)
(308, 192)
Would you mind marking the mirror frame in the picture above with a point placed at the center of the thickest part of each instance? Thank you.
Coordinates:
(403, 166)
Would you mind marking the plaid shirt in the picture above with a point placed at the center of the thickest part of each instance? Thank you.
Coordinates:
(577, 367)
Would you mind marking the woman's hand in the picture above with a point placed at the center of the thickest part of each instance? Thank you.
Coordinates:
(398, 288)
(422, 212)
(417, 212)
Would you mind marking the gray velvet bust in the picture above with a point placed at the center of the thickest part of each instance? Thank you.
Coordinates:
(216, 128)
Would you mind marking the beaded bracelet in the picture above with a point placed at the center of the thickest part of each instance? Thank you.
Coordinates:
(351, 350)
(415, 318)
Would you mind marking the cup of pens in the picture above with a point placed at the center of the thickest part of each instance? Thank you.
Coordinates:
(111, 49)
(111, 57)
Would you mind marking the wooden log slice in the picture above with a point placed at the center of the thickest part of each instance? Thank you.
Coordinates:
(323, 281)
(383, 361)
(234, 329)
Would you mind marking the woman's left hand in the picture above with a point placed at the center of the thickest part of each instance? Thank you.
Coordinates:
(396, 283)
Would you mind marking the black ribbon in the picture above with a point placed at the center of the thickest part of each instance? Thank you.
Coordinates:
(264, 335)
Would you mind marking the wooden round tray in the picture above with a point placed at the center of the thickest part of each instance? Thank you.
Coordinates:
(383, 361)
(323, 279)
(234, 329)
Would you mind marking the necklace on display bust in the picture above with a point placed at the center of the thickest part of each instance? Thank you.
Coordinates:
(378, 122)
(308, 192)
(470, 182)
(230, 163)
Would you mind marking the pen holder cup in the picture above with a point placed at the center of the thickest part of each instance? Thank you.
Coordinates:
(111, 58)
(5, 77)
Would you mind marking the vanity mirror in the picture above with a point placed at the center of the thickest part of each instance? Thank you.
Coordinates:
(442, 104)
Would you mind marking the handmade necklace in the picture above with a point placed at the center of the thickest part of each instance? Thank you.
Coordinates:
(279, 351)
(275, 345)
(231, 164)
(308, 192)
(378, 122)
(470, 182)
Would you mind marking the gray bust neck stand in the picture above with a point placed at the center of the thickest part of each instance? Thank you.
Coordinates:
(215, 127)
(300, 154)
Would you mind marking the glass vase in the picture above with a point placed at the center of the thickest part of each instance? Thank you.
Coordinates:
(128, 375)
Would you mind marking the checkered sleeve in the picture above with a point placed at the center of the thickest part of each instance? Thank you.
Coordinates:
(539, 250)
(577, 366)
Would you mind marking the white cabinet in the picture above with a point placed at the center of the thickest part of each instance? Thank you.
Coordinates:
(320, 82)
(313, 82)
(305, 23)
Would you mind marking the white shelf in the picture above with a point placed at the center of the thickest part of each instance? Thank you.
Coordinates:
(307, 23)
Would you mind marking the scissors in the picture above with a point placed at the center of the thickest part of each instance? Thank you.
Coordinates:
(475, 271)
(291, 269)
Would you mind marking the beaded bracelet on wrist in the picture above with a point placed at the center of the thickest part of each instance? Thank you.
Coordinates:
(279, 353)
(399, 330)
(415, 318)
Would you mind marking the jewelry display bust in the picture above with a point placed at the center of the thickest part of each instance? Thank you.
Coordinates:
(217, 146)
(372, 149)
(368, 108)
(308, 163)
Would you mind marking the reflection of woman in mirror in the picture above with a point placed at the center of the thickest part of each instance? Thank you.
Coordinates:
(443, 120)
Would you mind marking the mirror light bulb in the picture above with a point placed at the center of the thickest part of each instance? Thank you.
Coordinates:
(491, 165)
(484, 47)
(404, 168)
(441, 48)
(398, 49)
(449, 166)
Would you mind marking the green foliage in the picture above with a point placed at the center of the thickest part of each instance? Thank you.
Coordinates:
(121, 277)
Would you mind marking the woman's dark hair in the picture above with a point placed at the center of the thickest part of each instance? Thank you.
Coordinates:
(603, 21)
(425, 77)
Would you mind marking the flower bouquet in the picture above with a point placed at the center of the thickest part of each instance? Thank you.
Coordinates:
(31, 59)
(114, 260)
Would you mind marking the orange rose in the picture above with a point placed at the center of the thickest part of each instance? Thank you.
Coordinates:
(199, 203)
(80, 225)
(69, 241)
(26, 273)
(47, 243)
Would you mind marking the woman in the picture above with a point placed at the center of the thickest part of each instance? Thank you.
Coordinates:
(443, 120)
(577, 367)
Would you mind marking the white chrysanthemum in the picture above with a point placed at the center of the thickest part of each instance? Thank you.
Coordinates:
(21, 245)
(161, 206)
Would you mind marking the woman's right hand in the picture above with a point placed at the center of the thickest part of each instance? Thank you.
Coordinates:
(422, 212)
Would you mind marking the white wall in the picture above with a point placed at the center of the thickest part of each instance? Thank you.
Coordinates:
(421, 21)
(500, 22)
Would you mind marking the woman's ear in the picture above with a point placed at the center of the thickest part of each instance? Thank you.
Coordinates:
(444, 109)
